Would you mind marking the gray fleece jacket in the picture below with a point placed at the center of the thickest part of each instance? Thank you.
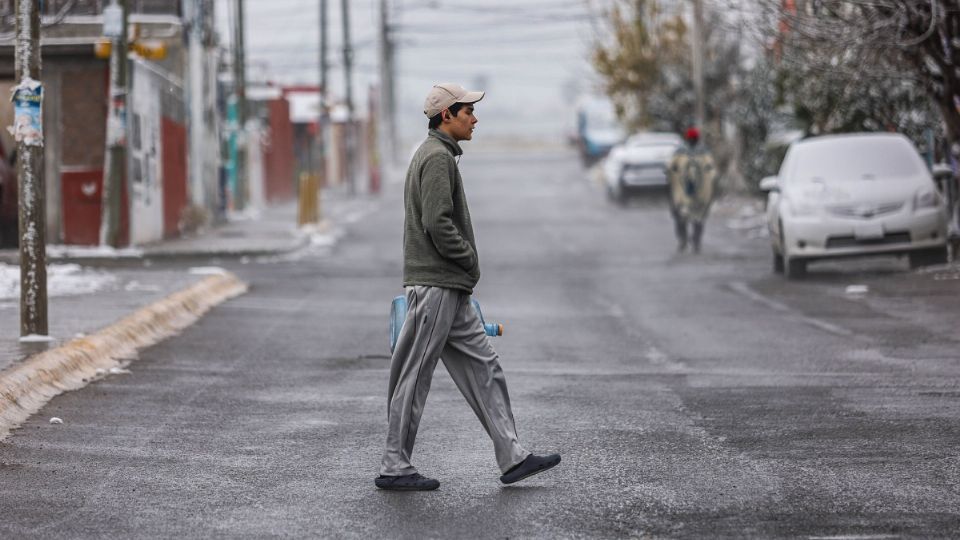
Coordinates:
(439, 249)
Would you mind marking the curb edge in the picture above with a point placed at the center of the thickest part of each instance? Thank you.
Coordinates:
(28, 386)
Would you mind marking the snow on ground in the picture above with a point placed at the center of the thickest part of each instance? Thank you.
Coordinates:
(747, 215)
(207, 271)
(943, 272)
(251, 213)
(62, 280)
(322, 241)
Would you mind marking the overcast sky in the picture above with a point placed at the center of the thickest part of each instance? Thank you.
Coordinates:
(531, 56)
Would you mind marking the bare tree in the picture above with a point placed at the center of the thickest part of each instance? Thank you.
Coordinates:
(907, 48)
(644, 62)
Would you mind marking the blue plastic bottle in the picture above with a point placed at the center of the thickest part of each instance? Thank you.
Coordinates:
(398, 312)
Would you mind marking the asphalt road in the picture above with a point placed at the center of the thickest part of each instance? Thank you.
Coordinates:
(690, 396)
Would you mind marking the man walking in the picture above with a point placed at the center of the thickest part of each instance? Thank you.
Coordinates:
(440, 269)
(692, 176)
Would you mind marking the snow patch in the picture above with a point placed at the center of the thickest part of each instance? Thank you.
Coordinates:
(251, 213)
(320, 244)
(207, 271)
(136, 286)
(56, 420)
(62, 280)
(857, 289)
(26, 84)
(323, 239)
(35, 338)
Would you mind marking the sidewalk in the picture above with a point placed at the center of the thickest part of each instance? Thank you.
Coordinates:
(269, 231)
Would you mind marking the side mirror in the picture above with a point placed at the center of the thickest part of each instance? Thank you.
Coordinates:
(770, 183)
(941, 171)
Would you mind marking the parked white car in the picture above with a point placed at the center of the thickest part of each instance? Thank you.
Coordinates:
(852, 195)
(639, 164)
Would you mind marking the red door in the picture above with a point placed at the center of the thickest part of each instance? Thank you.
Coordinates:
(81, 206)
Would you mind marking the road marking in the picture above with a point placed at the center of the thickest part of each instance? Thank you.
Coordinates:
(653, 355)
(745, 290)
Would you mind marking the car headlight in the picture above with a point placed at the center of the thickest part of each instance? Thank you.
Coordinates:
(929, 198)
(803, 208)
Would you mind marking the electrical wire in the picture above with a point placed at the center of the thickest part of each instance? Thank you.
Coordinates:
(54, 21)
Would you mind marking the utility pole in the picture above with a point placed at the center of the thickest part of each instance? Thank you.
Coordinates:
(324, 112)
(324, 66)
(115, 158)
(349, 140)
(696, 39)
(196, 71)
(240, 89)
(387, 88)
(28, 132)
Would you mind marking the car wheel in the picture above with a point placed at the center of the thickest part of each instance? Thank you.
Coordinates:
(928, 257)
(794, 268)
(777, 263)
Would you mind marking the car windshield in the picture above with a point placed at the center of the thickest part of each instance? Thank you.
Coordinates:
(849, 159)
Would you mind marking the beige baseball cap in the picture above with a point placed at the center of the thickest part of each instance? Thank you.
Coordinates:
(443, 95)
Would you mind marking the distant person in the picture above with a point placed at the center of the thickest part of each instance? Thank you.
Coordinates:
(440, 269)
(692, 178)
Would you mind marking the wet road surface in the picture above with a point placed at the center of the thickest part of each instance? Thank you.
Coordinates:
(690, 396)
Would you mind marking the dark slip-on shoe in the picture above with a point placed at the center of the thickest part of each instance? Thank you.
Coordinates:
(407, 482)
(529, 467)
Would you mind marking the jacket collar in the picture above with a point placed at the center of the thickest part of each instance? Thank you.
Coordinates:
(446, 140)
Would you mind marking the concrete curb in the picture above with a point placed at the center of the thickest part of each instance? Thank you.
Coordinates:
(225, 253)
(28, 386)
(163, 254)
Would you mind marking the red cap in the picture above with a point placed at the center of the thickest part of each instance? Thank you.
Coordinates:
(692, 134)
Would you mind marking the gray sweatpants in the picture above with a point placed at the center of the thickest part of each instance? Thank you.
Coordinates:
(441, 323)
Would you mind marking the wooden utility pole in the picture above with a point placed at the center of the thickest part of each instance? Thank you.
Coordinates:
(199, 145)
(323, 120)
(240, 88)
(28, 131)
(387, 89)
(324, 66)
(696, 39)
(349, 139)
(115, 158)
